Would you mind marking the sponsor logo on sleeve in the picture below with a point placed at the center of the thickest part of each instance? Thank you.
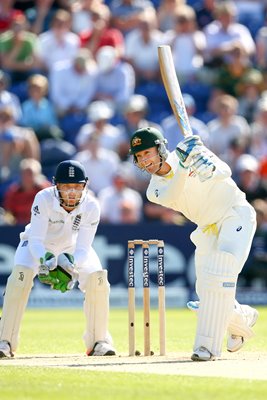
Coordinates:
(36, 211)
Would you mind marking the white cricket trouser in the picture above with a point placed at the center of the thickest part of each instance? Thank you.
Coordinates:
(219, 258)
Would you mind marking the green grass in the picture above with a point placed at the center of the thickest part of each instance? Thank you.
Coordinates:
(60, 331)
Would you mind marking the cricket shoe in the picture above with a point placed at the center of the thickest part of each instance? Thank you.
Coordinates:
(202, 354)
(5, 349)
(235, 342)
(101, 348)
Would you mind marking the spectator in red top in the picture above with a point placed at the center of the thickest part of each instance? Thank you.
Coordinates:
(101, 34)
(7, 14)
(19, 196)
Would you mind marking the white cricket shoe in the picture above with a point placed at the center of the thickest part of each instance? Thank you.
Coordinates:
(102, 348)
(234, 342)
(202, 354)
(5, 349)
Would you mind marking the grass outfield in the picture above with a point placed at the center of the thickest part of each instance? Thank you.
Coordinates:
(60, 332)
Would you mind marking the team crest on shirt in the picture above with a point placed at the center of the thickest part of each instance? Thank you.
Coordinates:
(76, 222)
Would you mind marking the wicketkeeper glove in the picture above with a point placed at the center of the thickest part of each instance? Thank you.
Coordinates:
(60, 275)
(189, 147)
(48, 263)
(67, 273)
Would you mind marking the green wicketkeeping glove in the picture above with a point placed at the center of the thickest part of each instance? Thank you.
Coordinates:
(47, 264)
(62, 279)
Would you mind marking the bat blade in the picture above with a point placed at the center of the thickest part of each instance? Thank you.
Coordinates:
(173, 89)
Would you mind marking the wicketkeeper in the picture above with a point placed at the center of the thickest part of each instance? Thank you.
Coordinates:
(195, 182)
(57, 247)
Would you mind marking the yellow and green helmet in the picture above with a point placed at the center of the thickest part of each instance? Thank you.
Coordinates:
(144, 138)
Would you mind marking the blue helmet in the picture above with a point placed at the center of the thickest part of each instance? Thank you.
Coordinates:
(70, 171)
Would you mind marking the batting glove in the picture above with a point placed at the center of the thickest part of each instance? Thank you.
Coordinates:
(189, 147)
(202, 164)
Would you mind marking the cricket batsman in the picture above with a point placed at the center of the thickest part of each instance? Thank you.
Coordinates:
(194, 181)
(57, 247)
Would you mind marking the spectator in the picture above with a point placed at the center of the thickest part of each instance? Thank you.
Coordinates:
(8, 99)
(258, 146)
(126, 14)
(141, 48)
(101, 33)
(231, 73)
(99, 114)
(263, 169)
(186, 35)
(40, 15)
(254, 273)
(73, 85)
(173, 132)
(227, 125)
(5, 218)
(100, 163)
(58, 44)
(224, 33)
(7, 14)
(16, 143)
(249, 179)
(116, 79)
(135, 112)
(19, 196)
(249, 94)
(205, 12)
(236, 148)
(18, 48)
(81, 12)
(38, 112)
(115, 199)
(166, 13)
(261, 46)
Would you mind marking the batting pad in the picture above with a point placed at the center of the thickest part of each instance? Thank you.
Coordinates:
(96, 309)
(19, 285)
(239, 322)
(216, 287)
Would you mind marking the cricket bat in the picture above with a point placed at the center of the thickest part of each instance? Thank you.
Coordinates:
(173, 89)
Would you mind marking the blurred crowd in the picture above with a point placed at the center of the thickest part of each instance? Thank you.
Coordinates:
(78, 77)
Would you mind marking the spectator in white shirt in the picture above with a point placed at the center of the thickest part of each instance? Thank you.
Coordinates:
(173, 132)
(99, 114)
(116, 79)
(58, 44)
(188, 44)
(141, 47)
(118, 198)
(227, 125)
(224, 33)
(73, 85)
(100, 163)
